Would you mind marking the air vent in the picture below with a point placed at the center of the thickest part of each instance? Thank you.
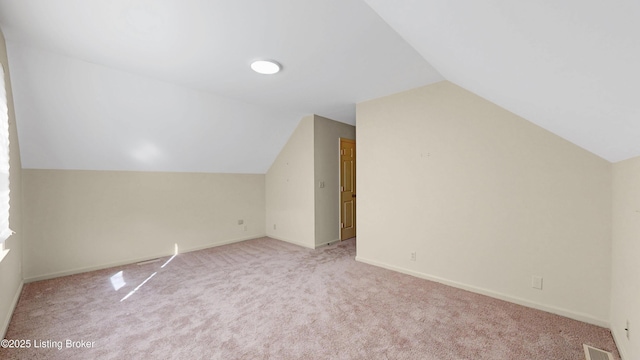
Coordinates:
(596, 354)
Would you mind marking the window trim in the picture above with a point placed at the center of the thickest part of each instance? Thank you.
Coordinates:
(5, 230)
(3, 251)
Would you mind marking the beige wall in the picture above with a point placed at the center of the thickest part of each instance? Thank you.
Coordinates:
(11, 265)
(625, 284)
(327, 134)
(290, 210)
(486, 199)
(302, 212)
(83, 220)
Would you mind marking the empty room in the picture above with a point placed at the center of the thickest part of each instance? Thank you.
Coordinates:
(319, 179)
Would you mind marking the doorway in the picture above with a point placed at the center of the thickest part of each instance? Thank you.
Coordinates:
(347, 189)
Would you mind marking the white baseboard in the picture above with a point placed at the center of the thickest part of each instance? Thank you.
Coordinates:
(133, 260)
(621, 349)
(291, 242)
(226, 242)
(12, 307)
(327, 243)
(551, 309)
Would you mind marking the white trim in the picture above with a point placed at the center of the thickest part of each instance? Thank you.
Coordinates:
(292, 242)
(551, 309)
(134, 260)
(4, 236)
(12, 308)
(3, 251)
(225, 242)
(327, 243)
(5, 165)
(621, 349)
(588, 356)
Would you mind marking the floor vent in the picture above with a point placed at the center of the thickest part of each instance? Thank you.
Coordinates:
(596, 354)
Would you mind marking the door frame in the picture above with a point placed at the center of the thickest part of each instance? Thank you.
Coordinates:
(340, 205)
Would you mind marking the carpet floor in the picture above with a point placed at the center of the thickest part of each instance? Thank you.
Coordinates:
(267, 299)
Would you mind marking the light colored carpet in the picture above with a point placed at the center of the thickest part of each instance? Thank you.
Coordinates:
(266, 299)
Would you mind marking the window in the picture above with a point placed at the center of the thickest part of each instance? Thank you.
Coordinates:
(5, 232)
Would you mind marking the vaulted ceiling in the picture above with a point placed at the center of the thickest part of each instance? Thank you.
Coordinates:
(570, 66)
(165, 85)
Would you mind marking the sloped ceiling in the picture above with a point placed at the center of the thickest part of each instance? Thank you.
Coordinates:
(165, 85)
(570, 66)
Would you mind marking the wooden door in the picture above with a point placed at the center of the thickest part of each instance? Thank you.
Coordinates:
(347, 189)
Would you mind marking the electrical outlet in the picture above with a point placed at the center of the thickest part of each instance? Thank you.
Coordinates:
(321, 184)
(413, 256)
(274, 226)
(536, 282)
(240, 222)
(628, 330)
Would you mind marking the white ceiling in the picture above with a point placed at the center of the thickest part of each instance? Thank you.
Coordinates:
(165, 85)
(570, 66)
(96, 81)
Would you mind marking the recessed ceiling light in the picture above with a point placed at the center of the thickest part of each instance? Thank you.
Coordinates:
(267, 67)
